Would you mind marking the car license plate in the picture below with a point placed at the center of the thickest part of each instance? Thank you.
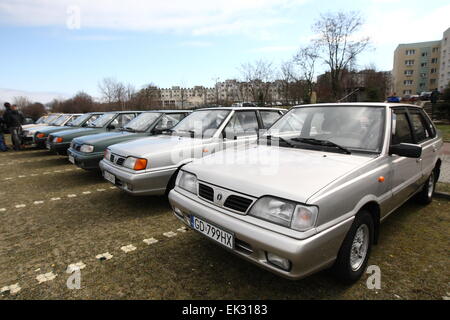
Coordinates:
(213, 232)
(110, 177)
(72, 159)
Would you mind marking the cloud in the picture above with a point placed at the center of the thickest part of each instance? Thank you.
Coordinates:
(34, 96)
(275, 49)
(198, 44)
(198, 17)
(408, 25)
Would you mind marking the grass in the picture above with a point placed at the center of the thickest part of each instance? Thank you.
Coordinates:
(445, 129)
(443, 187)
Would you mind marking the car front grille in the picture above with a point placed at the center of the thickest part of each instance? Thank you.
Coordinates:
(237, 203)
(206, 192)
(117, 159)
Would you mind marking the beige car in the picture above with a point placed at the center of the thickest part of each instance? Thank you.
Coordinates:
(313, 192)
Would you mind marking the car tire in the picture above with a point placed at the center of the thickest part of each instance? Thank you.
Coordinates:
(425, 196)
(354, 253)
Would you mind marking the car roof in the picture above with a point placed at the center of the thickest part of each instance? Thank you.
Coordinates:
(241, 108)
(360, 104)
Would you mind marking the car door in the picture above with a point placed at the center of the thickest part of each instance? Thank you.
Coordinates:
(405, 172)
(241, 129)
(424, 136)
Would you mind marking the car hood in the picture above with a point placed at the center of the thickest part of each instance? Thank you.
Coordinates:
(145, 147)
(50, 129)
(32, 125)
(294, 174)
(104, 137)
(78, 132)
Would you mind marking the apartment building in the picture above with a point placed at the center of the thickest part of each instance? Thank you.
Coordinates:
(226, 92)
(444, 71)
(416, 67)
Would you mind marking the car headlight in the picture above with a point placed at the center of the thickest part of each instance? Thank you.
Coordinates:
(58, 140)
(107, 155)
(40, 135)
(187, 181)
(135, 163)
(285, 213)
(86, 148)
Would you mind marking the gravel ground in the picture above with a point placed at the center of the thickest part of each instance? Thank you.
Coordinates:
(53, 215)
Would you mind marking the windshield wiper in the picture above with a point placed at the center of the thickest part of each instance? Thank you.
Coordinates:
(283, 141)
(325, 143)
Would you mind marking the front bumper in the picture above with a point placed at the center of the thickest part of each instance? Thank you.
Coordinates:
(252, 242)
(40, 142)
(86, 161)
(139, 183)
(60, 148)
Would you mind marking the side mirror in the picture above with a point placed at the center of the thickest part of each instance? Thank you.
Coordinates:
(111, 127)
(406, 150)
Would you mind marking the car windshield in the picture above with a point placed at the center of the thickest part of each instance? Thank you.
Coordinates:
(60, 121)
(52, 118)
(41, 120)
(102, 120)
(142, 122)
(53, 122)
(343, 128)
(78, 121)
(203, 123)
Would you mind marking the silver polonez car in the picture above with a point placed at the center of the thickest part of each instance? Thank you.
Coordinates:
(312, 193)
(150, 165)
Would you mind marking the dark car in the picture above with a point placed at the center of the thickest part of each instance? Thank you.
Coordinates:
(60, 141)
(40, 137)
(87, 151)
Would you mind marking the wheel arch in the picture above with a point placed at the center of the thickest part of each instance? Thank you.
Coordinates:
(374, 209)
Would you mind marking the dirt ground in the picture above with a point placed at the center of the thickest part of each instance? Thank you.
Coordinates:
(53, 215)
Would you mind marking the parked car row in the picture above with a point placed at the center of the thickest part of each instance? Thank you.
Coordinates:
(293, 192)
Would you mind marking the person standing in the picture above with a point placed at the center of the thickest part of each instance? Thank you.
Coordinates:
(14, 119)
(3, 146)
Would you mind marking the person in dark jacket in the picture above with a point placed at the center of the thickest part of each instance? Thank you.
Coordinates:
(14, 119)
(3, 146)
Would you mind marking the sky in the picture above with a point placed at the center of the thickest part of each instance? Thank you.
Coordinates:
(57, 48)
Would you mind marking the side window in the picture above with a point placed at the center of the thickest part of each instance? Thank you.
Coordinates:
(428, 125)
(402, 129)
(269, 117)
(169, 120)
(123, 119)
(243, 123)
(418, 127)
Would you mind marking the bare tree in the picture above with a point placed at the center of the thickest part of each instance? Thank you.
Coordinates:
(21, 102)
(258, 76)
(337, 44)
(306, 59)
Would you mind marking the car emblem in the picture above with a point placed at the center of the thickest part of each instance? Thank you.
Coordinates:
(219, 197)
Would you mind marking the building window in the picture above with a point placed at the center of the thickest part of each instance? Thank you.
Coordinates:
(407, 82)
(432, 81)
(434, 60)
(409, 72)
(410, 52)
(433, 70)
(407, 91)
(424, 54)
(423, 64)
(423, 75)
(436, 49)
(422, 85)
(409, 62)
